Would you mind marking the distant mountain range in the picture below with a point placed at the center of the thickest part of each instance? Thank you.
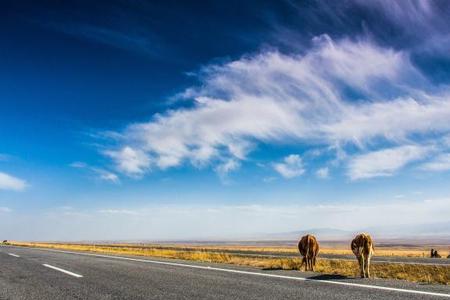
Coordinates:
(323, 233)
(430, 232)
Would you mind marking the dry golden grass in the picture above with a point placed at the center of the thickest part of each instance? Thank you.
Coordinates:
(416, 273)
(410, 251)
(380, 250)
(388, 252)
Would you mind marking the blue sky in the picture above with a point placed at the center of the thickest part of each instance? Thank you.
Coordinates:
(133, 119)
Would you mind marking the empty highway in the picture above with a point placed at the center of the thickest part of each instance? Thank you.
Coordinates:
(30, 273)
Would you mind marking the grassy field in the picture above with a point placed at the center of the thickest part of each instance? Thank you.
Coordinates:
(381, 250)
(416, 273)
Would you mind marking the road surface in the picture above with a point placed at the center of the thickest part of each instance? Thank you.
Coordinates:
(30, 273)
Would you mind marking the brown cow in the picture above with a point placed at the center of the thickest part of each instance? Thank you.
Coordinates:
(362, 247)
(309, 248)
(435, 254)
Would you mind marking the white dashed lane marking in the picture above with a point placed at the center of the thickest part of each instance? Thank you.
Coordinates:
(63, 271)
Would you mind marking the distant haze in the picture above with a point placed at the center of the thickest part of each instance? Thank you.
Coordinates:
(231, 222)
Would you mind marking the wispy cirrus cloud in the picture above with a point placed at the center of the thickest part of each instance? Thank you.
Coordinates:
(106, 175)
(5, 209)
(100, 173)
(345, 93)
(78, 165)
(323, 173)
(385, 162)
(439, 163)
(9, 182)
(145, 43)
(134, 162)
(128, 31)
(429, 18)
(290, 167)
(226, 167)
(119, 212)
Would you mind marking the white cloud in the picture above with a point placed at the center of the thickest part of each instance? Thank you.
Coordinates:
(439, 163)
(385, 162)
(4, 209)
(102, 174)
(119, 212)
(269, 179)
(9, 182)
(430, 21)
(228, 166)
(106, 175)
(303, 99)
(78, 165)
(132, 161)
(323, 173)
(292, 166)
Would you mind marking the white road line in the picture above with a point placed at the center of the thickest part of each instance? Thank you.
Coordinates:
(366, 286)
(12, 254)
(62, 270)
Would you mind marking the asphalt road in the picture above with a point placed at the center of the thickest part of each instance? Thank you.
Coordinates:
(29, 273)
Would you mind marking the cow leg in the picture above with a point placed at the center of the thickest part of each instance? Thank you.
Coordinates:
(361, 265)
(368, 266)
(307, 264)
(365, 267)
(305, 260)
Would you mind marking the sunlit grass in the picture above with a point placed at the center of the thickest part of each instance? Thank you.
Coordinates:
(410, 272)
(418, 251)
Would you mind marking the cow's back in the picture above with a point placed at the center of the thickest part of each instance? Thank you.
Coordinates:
(362, 244)
(314, 245)
(308, 245)
(303, 245)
